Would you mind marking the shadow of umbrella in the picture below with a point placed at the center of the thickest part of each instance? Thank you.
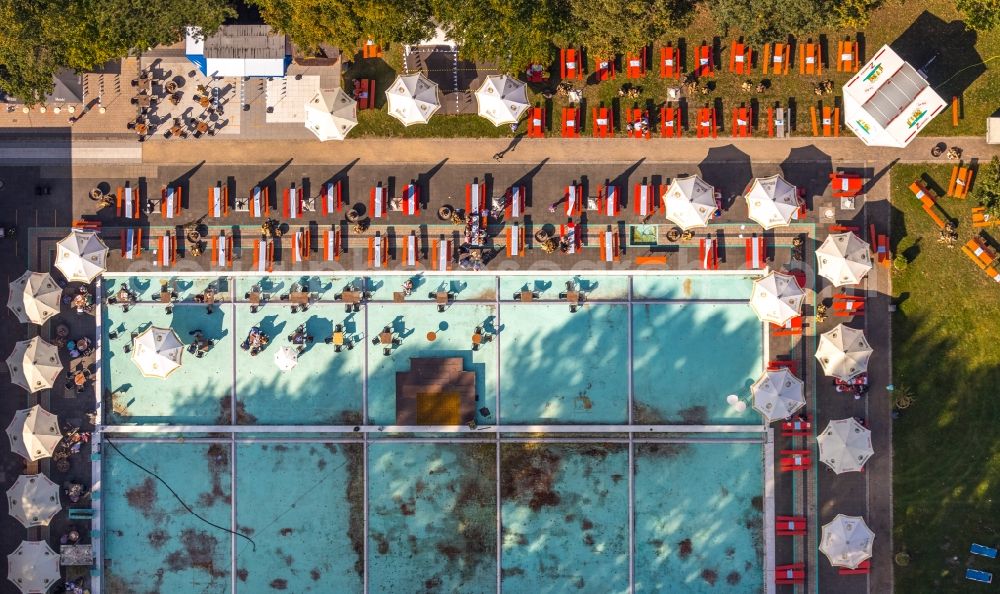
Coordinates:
(809, 168)
(728, 169)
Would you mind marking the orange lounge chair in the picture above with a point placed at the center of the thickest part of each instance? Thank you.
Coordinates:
(637, 115)
(131, 243)
(610, 251)
(635, 64)
(371, 49)
(740, 58)
(166, 250)
(742, 122)
(364, 92)
(378, 251)
(644, 200)
(961, 181)
(670, 62)
(604, 125)
(332, 245)
(128, 202)
(515, 201)
(291, 206)
(847, 56)
(846, 185)
(756, 252)
(536, 123)
(573, 195)
(670, 122)
(475, 198)
(331, 198)
(845, 305)
(378, 201)
(609, 200)
(980, 218)
(799, 427)
(704, 62)
(170, 202)
(260, 204)
(301, 246)
(604, 68)
(222, 250)
(776, 58)
(411, 249)
(441, 254)
(516, 244)
(570, 122)
(862, 569)
(792, 460)
(571, 234)
(789, 525)
(792, 327)
(792, 574)
(263, 255)
(708, 253)
(810, 58)
(218, 201)
(411, 199)
(706, 122)
(569, 64)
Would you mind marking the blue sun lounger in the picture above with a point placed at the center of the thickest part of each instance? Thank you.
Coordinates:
(983, 551)
(975, 575)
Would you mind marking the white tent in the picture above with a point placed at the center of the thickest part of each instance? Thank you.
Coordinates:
(502, 99)
(238, 51)
(777, 298)
(34, 297)
(887, 102)
(847, 541)
(330, 115)
(81, 256)
(34, 433)
(157, 352)
(413, 99)
(844, 258)
(34, 364)
(33, 499)
(777, 394)
(33, 567)
(845, 445)
(286, 358)
(843, 353)
(689, 202)
(772, 201)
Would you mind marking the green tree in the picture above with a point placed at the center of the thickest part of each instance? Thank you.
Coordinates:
(768, 21)
(981, 15)
(987, 188)
(854, 14)
(607, 27)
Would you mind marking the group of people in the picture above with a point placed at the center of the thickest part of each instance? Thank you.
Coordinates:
(83, 301)
(255, 341)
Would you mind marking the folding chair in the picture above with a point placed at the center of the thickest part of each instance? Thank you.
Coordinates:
(961, 181)
(378, 251)
(708, 253)
(170, 201)
(441, 254)
(645, 201)
(636, 64)
(331, 198)
(222, 250)
(610, 251)
(260, 205)
(411, 249)
(574, 200)
(332, 245)
(792, 460)
(128, 202)
(789, 525)
(792, 574)
(740, 57)
(378, 201)
(301, 246)
(670, 122)
(847, 56)
(131, 243)
(862, 569)
(810, 58)
(742, 122)
(604, 68)
(604, 126)
(515, 240)
(776, 127)
(291, 206)
(608, 200)
(263, 255)
(633, 116)
(536, 123)
(569, 64)
(475, 198)
(411, 199)
(776, 57)
(218, 201)
(570, 122)
(704, 62)
(706, 122)
(570, 233)
(515, 202)
(670, 62)
(756, 252)
(166, 250)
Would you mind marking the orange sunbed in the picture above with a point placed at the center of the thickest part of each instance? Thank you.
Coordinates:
(708, 253)
(604, 68)
(573, 195)
(569, 64)
(704, 62)
(670, 62)
(170, 202)
(331, 198)
(128, 202)
(291, 205)
(411, 199)
(610, 251)
(166, 247)
(536, 122)
(260, 203)
(742, 122)
(378, 251)
(670, 122)
(263, 255)
(364, 92)
(961, 180)
(604, 125)
(789, 525)
(570, 122)
(301, 246)
(706, 122)
(756, 252)
(776, 58)
(794, 573)
(637, 115)
(514, 199)
(441, 254)
(847, 56)
(608, 200)
(810, 58)
(218, 201)
(131, 243)
(332, 245)
(516, 244)
(740, 58)
(222, 250)
(411, 249)
(635, 64)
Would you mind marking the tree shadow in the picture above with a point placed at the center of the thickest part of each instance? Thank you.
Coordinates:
(944, 51)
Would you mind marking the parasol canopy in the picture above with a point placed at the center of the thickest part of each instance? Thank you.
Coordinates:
(34, 297)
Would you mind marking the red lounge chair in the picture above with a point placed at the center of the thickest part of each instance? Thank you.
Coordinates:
(516, 244)
(670, 62)
(847, 56)
(411, 199)
(862, 569)
(218, 201)
(776, 57)
(783, 364)
(222, 250)
(291, 206)
(570, 122)
(742, 122)
(331, 199)
(260, 204)
(378, 251)
(441, 254)
(609, 200)
(708, 253)
(791, 328)
(536, 123)
(810, 58)
(610, 251)
(166, 250)
(131, 243)
(569, 64)
(792, 460)
(604, 68)
(704, 62)
(792, 574)
(670, 122)
(706, 123)
(756, 252)
(570, 232)
(475, 198)
(378, 201)
(644, 201)
(301, 246)
(515, 202)
(573, 195)
(637, 115)
(263, 255)
(411, 249)
(170, 202)
(635, 64)
(845, 305)
(364, 92)
(604, 125)
(128, 202)
(846, 185)
(789, 525)
(740, 58)
(332, 245)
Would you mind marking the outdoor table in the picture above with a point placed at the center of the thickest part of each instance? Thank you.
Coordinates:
(144, 83)
(477, 338)
(527, 295)
(299, 297)
(351, 297)
(442, 297)
(143, 100)
(76, 555)
(209, 297)
(573, 297)
(202, 127)
(338, 338)
(385, 337)
(204, 101)
(141, 129)
(176, 131)
(80, 378)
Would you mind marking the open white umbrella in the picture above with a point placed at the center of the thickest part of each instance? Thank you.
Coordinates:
(157, 352)
(286, 358)
(34, 297)
(844, 258)
(81, 256)
(777, 298)
(413, 99)
(772, 201)
(33, 567)
(34, 433)
(33, 499)
(845, 445)
(502, 99)
(777, 394)
(843, 352)
(689, 202)
(34, 364)
(847, 541)
(330, 115)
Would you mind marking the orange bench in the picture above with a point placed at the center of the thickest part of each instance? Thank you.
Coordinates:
(635, 64)
(776, 58)
(847, 56)
(740, 57)
(536, 122)
(706, 123)
(604, 68)
(980, 218)
(637, 116)
(704, 63)
(670, 122)
(569, 64)
(570, 122)
(742, 122)
(364, 92)
(830, 121)
(810, 58)
(670, 62)
(961, 180)
(604, 125)
(651, 260)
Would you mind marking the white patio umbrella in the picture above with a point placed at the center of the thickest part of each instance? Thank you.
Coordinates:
(843, 352)
(689, 202)
(330, 115)
(157, 352)
(33, 499)
(844, 258)
(286, 358)
(502, 99)
(33, 566)
(847, 541)
(777, 394)
(34, 433)
(34, 364)
(772, 201)
(81, 256)
(34, 297)
(777, 298)
(845, 445)
(413, 99)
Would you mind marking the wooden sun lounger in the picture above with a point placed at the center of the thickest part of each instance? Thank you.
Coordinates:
(609, 200)
(604, 68)
(961, 181)
(789, 525)
(740, 57)
(670, 122)
(847, 56)
(776, 58)
(742, 122)
(218, 201)
(791, 574)
(776, 125)
(610, 251)
(670, 62)
(810, 58)
(635, 64)
(331, 198)
(704, 62)
(128, 202)
(570, 67)
(364, 92)
(378, 251)
(632, 116)
(332, 245)
(706, 123)
(536, 122)
(604, 125)
(570, 122)
(516, 240)
(222, 250)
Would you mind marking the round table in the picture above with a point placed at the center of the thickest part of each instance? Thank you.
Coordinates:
(141, 129)
(431, 336)
(477, 339)
(202, 127)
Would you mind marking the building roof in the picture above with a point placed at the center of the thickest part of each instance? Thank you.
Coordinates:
(245, 41)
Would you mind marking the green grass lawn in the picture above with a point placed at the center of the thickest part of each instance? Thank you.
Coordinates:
(946, 468)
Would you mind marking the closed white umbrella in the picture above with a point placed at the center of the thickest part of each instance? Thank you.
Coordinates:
(81, 256)
(847, 541)
(34, 364)
(413, 99)
(33, 567)
(689, 202)
(34, 297)
(34, 433)
(286, 358)
(844, 258)
(845, 445)
(772, 201)
(33, 499)
(777, 394)
(157, 352)
(330, 115)
(777, 298)
(502, 99)
(843, 353)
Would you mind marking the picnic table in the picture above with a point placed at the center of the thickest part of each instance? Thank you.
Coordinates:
(141, 128)
(351, 297)
(635, 64)
(776, 125)
(570, 122)
(776, 57)
(810, 58)
(740, 57)
(535, 73)
(704, 62)
(670, 62)
(299, 297)
(742, 122)
(603, 123)
(604, 68)
(638, 123)
(706, 122)
(569, 64)
(670, 122)
(78, 554)
(845, 184)
(847, 56)
(536, 122)
(830, 120)
(385, 337)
